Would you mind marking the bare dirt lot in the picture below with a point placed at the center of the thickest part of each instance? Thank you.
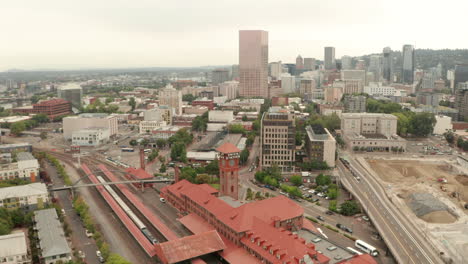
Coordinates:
(435, 207)
(408, 173)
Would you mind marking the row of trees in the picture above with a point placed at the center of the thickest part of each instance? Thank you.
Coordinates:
(418, 124)
(178, 143)
(313, 165)
(199, 175)
(10, 219)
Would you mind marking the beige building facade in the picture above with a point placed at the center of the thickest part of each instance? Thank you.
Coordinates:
(277, 139)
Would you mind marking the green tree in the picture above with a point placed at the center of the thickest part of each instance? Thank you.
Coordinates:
(249, 194)
(422, 124)
(244, 156)
(17, 128)
(449, 136)
(349, 208)
(132, 103)
(43, 135)
(161, 143)
(202, 178)
(133, 142)
(35, 98)
(144, 142)
(40, 118)
(188, 98)
(244, 118)
(116, 259)
(153, 155)
(236, 129)
(163, 168)
(298, 138)
(403, 123)
(332, 193)
(460, 142)
(178, 152)
(323, 179)
(332, 205)
(213, 167)
(296, 180)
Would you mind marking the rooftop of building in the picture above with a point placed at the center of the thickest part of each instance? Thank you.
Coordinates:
(13, 244)
(322, 244)
(228, 148)
(199, 155)
(50, 233)
(204, 99)
(167, 128)
(318, 133)
(231, 201)
(91, 115)
(368, 115)
(21, 156)
(14, 119)
(139, 173)
(52, 102)
(16, 145)
(91, 130)
(23, 190)
(70, 86)
(190, 247)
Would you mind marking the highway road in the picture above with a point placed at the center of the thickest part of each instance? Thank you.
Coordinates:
(405, 242)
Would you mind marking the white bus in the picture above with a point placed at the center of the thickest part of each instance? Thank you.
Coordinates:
(355, 252)
(366, 248)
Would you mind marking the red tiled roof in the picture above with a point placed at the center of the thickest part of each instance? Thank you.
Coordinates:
(195, 224)
(360, 259)
(211, 203)
(309, 226)
(189, 247)
(208, 188)
(139, 173)
(241, 218)
(228, 148)
(177, 187)
(290, 247)
(232, 253)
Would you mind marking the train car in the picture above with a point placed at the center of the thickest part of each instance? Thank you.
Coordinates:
(149, 236)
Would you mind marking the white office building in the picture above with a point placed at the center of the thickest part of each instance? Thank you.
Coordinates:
(90, 137)
(376, 88)
(288, 83)
(89, 120)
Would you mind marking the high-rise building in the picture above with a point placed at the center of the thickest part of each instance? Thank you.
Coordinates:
(320, 145)
(171, 97)
(309, 64)
(235, 72)
(276, 68)
(346, 62)
(329, 59)
(355, 104)
(408, 64)
(360, 65)
(387, 64)
(307, 86)
(375, 66)
(253, 63)
(277, 139)
(299, 62)
(228, 158)
(460, 74)
(288, 83)
(461, 102)
(219, 76)
(229, 89)
(71, 92)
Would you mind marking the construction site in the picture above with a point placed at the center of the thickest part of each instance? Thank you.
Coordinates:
(433, 194)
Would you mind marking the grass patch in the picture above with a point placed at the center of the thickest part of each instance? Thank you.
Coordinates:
(215, 185)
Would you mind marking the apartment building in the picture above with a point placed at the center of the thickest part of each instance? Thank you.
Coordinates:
(277, 139)
(320, 145)
(14, 249)
(26, 168)
(355, 104)
(29, 197)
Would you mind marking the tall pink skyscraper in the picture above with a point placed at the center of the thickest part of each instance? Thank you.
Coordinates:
(253, 63)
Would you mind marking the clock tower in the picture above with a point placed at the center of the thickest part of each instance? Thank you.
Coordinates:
(228, 158)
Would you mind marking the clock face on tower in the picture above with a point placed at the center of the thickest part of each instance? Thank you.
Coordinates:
(231, 163)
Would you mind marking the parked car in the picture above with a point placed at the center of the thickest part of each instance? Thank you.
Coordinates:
(162, 200)
(329, 212)
(81, 254)
(100, 257)
(320, 194)
(320, 218)
(315, 200)
(339, 225)
(365, 218)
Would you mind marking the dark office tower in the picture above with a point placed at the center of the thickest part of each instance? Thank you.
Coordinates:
(329, 58)
(408, 64)
(461, 74)
(387, 64)
(219, 76)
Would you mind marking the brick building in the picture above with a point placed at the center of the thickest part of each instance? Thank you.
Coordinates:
(52, 108)
(204, 102)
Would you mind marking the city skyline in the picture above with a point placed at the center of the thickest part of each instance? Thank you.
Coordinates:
(59, 35)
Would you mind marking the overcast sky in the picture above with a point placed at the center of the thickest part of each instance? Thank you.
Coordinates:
(73, 34)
